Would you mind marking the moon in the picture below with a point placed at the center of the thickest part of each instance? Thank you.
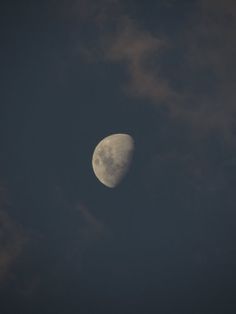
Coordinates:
(112, 158)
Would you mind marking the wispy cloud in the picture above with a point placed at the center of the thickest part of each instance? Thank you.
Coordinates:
(211, 47)
(12, 237)
(12, 240)
(83, 11)
(138, 50)
(207, 44)
(92, 228)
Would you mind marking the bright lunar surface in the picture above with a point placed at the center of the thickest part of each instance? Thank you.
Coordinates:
(112, 158)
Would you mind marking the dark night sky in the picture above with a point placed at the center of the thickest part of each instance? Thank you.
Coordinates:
(73, 72)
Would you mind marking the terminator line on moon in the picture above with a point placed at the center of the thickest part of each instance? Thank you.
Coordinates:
(112, 158)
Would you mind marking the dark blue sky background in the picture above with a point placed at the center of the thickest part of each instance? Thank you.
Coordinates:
(73, 72)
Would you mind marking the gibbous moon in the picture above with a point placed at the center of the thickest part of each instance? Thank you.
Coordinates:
(112, 158)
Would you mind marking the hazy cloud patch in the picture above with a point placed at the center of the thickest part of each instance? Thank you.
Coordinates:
(205, 70)
(136, 48)
(12, 240)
